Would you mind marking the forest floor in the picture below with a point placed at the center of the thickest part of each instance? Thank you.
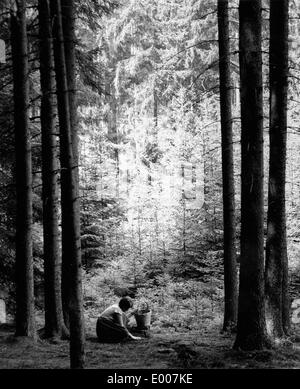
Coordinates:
(205, 349)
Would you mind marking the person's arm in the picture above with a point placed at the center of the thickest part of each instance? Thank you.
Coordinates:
(133, 312)
(132, 336)
(119, 320)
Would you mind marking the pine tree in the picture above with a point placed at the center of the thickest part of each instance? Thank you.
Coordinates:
(251, 326)
(52, 272)
(276, 248)
(68, 26)
(25, 322)
(69, 193)
(230, 265)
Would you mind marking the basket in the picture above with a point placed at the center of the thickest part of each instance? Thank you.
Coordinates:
(143, 316)
(143, 320)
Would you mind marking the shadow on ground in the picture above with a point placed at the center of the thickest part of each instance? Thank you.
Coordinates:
(200, 350)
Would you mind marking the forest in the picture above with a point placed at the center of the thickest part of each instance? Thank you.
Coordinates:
(149, 148)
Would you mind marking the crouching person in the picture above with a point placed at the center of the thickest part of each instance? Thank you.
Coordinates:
(112, 323)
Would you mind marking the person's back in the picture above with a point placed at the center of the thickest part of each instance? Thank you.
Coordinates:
(111, 312)
(111, 324)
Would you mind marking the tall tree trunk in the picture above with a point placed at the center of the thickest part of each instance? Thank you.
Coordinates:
(25, 323)
(155, 109)
(69, 194)
(68, 26)
(276, 254)
(183, 201)
(206, 174)
(251, 326)
(230, 264)
(52, 273)
(113, 136)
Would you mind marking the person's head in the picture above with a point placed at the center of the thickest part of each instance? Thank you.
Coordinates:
(125, 303)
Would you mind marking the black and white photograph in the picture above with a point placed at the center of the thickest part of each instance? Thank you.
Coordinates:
(150, 188)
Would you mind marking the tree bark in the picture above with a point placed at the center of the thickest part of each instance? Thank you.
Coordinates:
(54, 326)
(69, 194)
(25, 322)
(68, 26)
(230, 264)
(251, 326)
(155, 109)
(276, 275)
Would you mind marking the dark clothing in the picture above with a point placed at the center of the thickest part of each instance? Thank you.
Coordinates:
(109, 331)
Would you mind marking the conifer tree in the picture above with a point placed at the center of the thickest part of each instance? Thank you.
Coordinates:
(53, 306)
(25, 322)
(230, 265)
(276, 248)
(69, 194)
(251, 325)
